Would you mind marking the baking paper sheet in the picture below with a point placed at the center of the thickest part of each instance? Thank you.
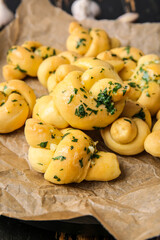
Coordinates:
(128, 207)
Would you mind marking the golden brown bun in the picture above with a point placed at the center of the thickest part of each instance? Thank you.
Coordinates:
(126, 136)
(89, 43)
(16, 104)
(73, 159)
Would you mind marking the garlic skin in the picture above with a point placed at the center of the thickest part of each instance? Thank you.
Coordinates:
(128, 17)
(82, 9)
(5, 14)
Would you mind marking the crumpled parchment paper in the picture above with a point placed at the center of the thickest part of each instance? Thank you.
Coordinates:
(129, 207)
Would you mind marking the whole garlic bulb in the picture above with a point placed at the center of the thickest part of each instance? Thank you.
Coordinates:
(82, 9)
(5, 14)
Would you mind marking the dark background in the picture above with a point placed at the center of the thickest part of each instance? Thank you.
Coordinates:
(11, 229)
(149, 10)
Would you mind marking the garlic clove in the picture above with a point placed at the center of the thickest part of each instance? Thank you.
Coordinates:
(5, 14)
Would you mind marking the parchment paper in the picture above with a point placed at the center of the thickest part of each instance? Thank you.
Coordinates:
(129, 207)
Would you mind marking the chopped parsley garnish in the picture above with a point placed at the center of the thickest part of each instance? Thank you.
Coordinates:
(71, 147)
(124, 92)
(4, 94)
(65, 135)
(61, 158)
(127, 49)
(11, 50)
(14, 100)
(70, 99)
(75, 90)
(95, 155)
(57, 178)
(132, 84)
(105, 99)
(2, 104)
(43, 144)
(88, 151)
(16, 92)
(54, 52)
(32, 56)
(74, 139)
(146, 76)
(53, 136)
(147, 94)
(91, 77)
(141, 69)
(48, 48)
(102, 70)
(33, 49)
(20, 69)
(92, 111)
(46, 56)
(117, 87)
(97, 128)
(140, 115)
(131, 57)
(127, 120)
(80, 42)
(85, 104)
(61, 169)
(85, 96)
(81, 162)
(52, 72)
(40, 123)
(40, 164)
(82, 89)
(80, 111)
(75, 58)
(114, 55)
(110, 83)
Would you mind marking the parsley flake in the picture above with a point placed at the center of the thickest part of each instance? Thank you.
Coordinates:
(127, 49)
(105, 99)
(65, 135)
(75, 90)
(140, 115)
(102, 70)
(127, 120)
(20, 69)
(57, 178)
(74, 139)
(61, 158)
(43, 144)
(70, 99)
(80, 111)
(2, 104)
(80, 42)
(81, 162)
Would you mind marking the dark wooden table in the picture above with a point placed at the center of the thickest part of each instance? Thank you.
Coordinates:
(149, 11)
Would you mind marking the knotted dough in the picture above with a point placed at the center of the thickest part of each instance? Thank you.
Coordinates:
(16, 104)
(67, 156)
